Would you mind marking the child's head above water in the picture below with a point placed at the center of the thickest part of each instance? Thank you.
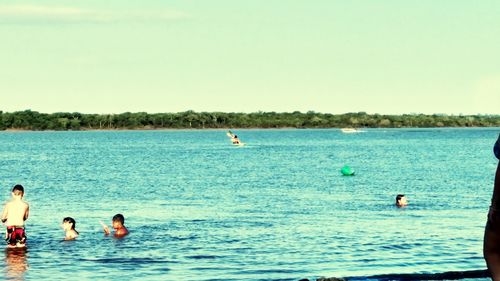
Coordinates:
(401, 200)
(118, 220)
(70, 222)
(69, 227)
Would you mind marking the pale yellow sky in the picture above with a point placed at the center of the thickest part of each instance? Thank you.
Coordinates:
(382, 56)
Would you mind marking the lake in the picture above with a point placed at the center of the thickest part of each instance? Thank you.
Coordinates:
(278, 208)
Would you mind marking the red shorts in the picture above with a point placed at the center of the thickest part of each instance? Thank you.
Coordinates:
(15, 234)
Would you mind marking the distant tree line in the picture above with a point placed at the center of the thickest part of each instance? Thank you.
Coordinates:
(33, 120)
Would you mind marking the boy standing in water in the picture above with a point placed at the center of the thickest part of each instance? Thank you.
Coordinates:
(14, 214)
(118, 225)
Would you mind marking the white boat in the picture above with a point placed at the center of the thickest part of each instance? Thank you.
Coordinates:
(350, 130)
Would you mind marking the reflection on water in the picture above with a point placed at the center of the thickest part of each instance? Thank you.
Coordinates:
(15, 264)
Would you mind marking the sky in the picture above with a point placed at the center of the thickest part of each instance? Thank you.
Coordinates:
(329, 56)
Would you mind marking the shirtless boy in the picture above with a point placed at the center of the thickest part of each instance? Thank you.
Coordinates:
(118, 224)
(14, 214)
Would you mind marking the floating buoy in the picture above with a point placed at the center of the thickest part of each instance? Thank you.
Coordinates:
(347, 171)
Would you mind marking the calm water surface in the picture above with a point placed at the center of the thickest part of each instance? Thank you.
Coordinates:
(278, 208)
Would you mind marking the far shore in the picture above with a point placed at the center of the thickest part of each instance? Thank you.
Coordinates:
(226, 129)
(191, 120)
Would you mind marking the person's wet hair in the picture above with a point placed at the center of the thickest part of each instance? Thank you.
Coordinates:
(120, 218)
(398, 197)
(18, 189)
(72, 221)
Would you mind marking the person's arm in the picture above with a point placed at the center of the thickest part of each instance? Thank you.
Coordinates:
(495, 200)
(27, 212)
(105, 228)
(5, 213)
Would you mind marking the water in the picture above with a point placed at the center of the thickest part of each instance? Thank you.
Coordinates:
(278, 208)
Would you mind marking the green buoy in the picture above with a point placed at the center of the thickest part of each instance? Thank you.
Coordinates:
(347, 171)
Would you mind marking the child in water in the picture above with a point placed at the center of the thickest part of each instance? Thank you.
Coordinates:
(401, 200)
(118, 224)
(68, 225)
(14, 214)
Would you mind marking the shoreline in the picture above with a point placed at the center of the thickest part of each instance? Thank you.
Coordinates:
(245, 128)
